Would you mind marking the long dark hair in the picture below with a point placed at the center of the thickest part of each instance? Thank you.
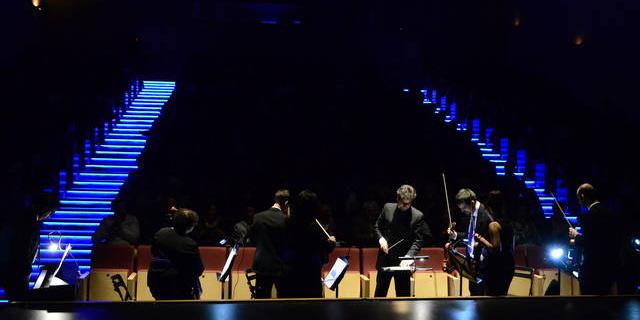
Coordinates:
(305, 207)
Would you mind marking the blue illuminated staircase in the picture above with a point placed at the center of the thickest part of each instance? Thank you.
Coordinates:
(87, 200)
(497, 151)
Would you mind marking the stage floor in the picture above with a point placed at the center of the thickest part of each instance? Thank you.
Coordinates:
(623, 307)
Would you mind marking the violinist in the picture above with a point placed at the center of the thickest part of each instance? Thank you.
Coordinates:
(479, 220)
(599, 241)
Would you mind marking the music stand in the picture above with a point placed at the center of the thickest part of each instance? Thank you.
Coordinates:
(228, 265)
(335, 275)
(59, 283)
(464, 265)
(413, 268)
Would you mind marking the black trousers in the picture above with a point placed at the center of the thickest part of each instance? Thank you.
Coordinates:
(402, 281)
(264, 283)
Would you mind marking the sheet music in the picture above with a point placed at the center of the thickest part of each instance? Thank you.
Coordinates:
(64, 255)
(227, 264)
(335, 272)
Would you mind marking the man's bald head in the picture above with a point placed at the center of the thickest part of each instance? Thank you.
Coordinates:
(586, 194)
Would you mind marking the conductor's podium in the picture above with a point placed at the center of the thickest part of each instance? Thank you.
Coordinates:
(370, 273)
(213, 259)
(349, 287)
(142, 288)
(431, 283)
(107, 261)
(239, 287)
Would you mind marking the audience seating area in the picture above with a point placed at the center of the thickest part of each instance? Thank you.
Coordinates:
(533, 275)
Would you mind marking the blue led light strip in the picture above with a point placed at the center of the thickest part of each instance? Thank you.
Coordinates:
(88, 198)
(496, 153)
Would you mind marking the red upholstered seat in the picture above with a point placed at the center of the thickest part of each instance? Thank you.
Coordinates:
(113, 257)
(369, 256)
(354, 259)
(436, 256)
(213, 258)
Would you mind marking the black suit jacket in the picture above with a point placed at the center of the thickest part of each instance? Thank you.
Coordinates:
(600, 242)
(268, 232)
(413, 240)
(175, 264)
(482, 228)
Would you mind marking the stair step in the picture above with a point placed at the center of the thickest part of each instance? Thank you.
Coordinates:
(69, 232)
(74, 218)
(119, 154)
(104, 160)
(91, 194)
(140, 121)
(95, 204)
(97, 185)
(54, 260)
(120, 147)
(111, 168)
(132, 135)
(139, 126)
(70, 224)
(124, 141)
(129, 130)
(80, 246)
(68, 239)
(103, 176)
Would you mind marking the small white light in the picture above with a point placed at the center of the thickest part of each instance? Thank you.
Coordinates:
(53, 246)
(556, 253)
(635, 244)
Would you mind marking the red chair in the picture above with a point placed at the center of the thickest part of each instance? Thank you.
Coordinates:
(213, 259)
(107, 261)
(545, 272)
(239, 286)
(432, 283)
(370, 274)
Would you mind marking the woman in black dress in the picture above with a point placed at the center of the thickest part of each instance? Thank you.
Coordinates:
(500, 265)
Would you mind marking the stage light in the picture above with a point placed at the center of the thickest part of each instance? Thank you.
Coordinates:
(53, 246)
(635, 244)
(556, 253)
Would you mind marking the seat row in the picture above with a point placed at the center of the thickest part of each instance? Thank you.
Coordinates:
(533, 275)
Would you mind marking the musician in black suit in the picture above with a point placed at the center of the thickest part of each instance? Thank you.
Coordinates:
(479, 220)
(600, 243)
(175, 260)
(268, 233)
(401, 231)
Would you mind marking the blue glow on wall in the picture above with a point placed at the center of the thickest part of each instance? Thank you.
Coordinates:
(504, 149)
(540, 174)
(475, 130)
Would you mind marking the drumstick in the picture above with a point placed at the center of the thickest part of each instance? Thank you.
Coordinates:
(395, 244)
(321, 227)
(562, 211)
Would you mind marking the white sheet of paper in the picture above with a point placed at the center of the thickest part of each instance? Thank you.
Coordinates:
(331, 278)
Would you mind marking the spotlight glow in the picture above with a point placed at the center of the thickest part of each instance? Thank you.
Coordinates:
(556, 253)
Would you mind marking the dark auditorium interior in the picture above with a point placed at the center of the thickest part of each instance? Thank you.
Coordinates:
(119, 114)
